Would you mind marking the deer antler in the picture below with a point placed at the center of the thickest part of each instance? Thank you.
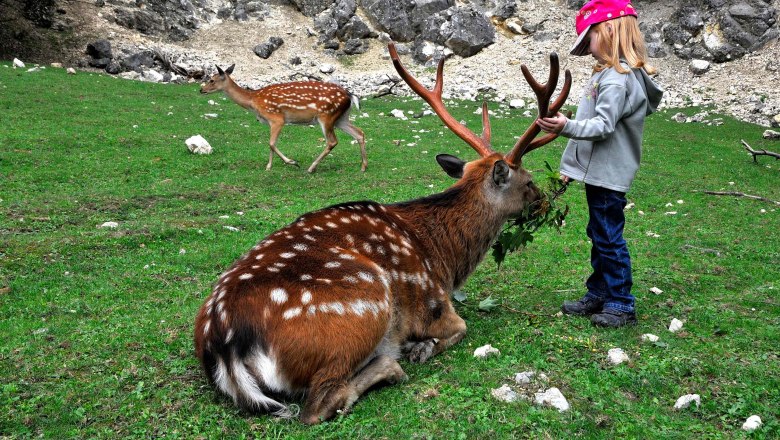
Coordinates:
(434, 99)
(544, 92)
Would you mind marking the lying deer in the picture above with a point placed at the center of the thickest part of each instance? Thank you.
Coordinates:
(325, 307)
(301, 102)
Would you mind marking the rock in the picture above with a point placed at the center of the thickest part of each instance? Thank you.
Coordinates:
(485, 351)
(752, 423)
(776, 121)
(398, 113)
(71, 71)
(675, 326)
(554, 398)
(699, 67)
(524, 378)
(516, 103)
(649, 337)
(327, 68)
(504, 394)
(771, 134)
(686, 400)
(198, 145)
(265, 50)
(656, 290)
(680, 117)
(109, 225)
(393, 17)
(469, 33)
(17, 63)
(100, 49)
(617, 356)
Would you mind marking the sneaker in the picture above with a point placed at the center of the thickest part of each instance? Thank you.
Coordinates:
(613, 318)
(583, 307)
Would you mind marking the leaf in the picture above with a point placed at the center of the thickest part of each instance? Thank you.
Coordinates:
(488, 304)
(459, 295)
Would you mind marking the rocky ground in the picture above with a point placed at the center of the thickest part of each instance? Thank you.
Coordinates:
(746, 88)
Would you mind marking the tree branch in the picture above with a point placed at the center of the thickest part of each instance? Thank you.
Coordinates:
(739, 194)
(759, 152)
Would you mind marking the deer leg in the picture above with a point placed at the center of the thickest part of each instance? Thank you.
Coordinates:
(358, 135)
(442, 333)
(330, 143)
(276, 128)
(326, 402)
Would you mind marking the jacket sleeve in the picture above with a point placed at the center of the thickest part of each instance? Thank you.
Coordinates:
(610, 101)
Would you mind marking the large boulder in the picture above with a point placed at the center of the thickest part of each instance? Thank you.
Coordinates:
(393, 17)
(721, 30)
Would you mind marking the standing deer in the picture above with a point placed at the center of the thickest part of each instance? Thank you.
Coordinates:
(324, 307)
(301, 102)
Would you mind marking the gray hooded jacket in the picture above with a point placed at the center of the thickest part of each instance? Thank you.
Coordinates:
(605, 143)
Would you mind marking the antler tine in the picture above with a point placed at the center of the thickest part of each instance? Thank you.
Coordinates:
(544, 92)
(433, 97)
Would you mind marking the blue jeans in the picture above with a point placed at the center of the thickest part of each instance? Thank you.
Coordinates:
(611, 279)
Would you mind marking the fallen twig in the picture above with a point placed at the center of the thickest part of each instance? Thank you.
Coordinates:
(739, 194)
(759, 152)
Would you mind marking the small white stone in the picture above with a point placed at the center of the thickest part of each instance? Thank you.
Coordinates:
(231, 228)
(516, 103)
(629, 206)
(398, 114)
(680, 202)
(752, 423)
(71, 71)
(505, 394)
(524, 378)
(554, 398)
(110, 225)
(686, 400)
(198, 145)
(617, 356)
(675, 326)
(18, 63)
(210, 116)
(182, 251)
(656, 290)
(485, 351)
(650, 337)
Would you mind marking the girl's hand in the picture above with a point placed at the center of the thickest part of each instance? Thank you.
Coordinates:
(554, 124)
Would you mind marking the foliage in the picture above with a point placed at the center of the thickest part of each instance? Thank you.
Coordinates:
(96, 327)
(519, 232)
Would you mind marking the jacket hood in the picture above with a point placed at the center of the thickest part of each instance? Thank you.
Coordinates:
(652, 90)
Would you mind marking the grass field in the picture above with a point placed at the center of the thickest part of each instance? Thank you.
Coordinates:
(96, 324)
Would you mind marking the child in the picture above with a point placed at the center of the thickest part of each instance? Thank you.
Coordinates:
(604, 149)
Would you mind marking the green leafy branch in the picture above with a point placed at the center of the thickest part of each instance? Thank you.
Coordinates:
(546, 211)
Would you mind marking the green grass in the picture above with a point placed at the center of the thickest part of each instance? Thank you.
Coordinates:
(96, 324)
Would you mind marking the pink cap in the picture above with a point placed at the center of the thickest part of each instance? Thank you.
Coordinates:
(596, 11)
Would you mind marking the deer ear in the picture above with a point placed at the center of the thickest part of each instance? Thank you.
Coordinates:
(451, 165)
(229, 70)
(220, 71)
(501, 173)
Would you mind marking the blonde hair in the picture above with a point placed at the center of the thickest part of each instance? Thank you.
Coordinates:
(624, 41)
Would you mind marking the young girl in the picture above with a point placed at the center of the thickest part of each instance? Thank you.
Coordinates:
(604, 149)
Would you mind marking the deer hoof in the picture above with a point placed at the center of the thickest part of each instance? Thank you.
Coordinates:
(421, 351)
(294, 163)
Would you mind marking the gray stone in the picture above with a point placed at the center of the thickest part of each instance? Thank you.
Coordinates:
(392, 16)
(265, 50)
(100, 49)
(699, 67)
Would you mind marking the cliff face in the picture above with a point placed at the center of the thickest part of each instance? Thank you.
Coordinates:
(699, 46)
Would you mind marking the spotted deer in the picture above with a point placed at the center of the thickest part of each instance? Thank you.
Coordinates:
(325, 307)
(300, 102)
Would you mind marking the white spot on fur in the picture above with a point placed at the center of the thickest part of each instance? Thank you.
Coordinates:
(245, 276)
(279, 295)
(305, 297)
(305, 277)
(291, 313)
(332, 264)
(300, 247)
(331, 225)
(229, 336)
(288, 255)
(273, 269)
(347, 257)
(365, 276)
(350, 279)
(312, 310)
(206, 327)
(259, 256)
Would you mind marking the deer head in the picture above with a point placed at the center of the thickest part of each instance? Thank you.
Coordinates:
(218, 81)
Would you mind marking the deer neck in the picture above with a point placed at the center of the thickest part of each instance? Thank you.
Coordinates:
(455, 228)
(238, 94)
